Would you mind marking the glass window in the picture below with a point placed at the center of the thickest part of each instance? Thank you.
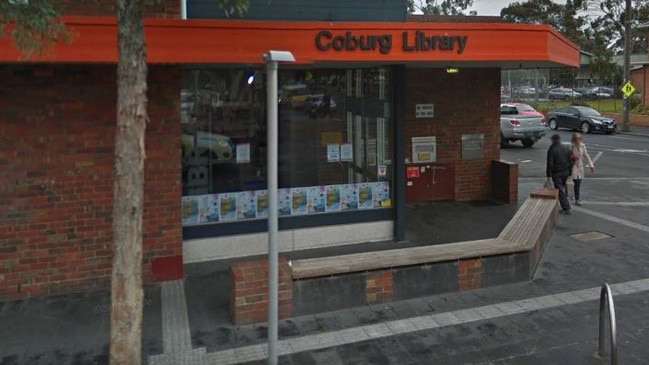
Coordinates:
(334, 142)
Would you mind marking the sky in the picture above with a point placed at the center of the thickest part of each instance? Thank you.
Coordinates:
(492, 7)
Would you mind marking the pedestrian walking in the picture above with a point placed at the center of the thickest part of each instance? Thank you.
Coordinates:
(579, 152)
(558, 170)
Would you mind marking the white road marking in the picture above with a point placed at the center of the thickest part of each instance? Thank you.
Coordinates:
(621, 204)
(526, 161)
(613, 219)
(599, 154)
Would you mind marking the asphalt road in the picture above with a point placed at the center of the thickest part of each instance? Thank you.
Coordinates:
(616, 156)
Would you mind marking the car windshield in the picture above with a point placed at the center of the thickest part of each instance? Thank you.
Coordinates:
(588, 112)
(525, 108)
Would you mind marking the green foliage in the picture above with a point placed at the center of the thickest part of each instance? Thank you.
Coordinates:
(610, 22)
(439, 7)
(33, 24)
(234, 7)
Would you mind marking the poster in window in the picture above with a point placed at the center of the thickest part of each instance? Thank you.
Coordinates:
(299, 201)
(284, 201)
(243, 153)
(381, 194)
(349, 197)
(365, 196)
(333, 198)
(246, 205)
(228, 206)
(316, 199)
(189, 210)
(208, 208)
(262, 203)
(333, 153)
(346, 152)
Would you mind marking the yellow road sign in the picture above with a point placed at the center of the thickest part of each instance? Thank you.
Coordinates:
(628, 89)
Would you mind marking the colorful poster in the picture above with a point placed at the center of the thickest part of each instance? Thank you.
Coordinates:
(189, 210)
(299, 201)
(228, 206)
(381, 194)
(333, 198)
(316, 199)
(349, 197)
(333, 153)
(365, 196)
(246, 205)
(412, 172)
(208, 208)
(262, 203)
(285, 201)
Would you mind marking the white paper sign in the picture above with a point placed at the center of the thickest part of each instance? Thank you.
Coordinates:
(382, 170)
(333, 153)
(424, 110)
(243, 153)
(346, 152)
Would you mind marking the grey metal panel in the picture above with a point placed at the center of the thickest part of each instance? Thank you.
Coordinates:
(312, 10)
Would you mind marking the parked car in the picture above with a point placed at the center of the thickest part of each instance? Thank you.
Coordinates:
(315, 105)
(217, 146)
(581, 118)
(562, 93)
(520, 122)
(599, 92)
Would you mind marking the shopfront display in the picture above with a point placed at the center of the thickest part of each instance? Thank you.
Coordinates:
(335, 142)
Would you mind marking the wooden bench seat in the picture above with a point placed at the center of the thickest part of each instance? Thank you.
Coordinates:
(521, 234)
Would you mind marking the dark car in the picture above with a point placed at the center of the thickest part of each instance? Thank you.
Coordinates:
(599, 92)
(581, 118)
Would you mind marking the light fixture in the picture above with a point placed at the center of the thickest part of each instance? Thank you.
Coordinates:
(251, 78)
(452, 70)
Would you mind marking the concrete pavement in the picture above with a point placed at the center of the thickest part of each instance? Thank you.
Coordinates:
(550, 320)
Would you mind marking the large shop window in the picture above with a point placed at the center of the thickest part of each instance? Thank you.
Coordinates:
(335, 142)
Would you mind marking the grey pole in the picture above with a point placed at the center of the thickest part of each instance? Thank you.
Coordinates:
(627, 64)
(273, 277)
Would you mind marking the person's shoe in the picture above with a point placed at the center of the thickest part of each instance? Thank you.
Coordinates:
(578, 202)
(565, 211)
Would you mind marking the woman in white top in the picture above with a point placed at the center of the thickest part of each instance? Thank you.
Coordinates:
(579, 152)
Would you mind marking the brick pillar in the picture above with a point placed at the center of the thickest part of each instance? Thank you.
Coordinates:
(469, 274)
(378, 287)
(249, 297)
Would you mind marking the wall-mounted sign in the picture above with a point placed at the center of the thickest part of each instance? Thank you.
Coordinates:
(417, 41)
(424, 110)
(412, 172)
(382, 170)
(424, 149)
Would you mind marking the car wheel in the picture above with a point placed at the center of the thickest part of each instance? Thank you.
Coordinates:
(503, 141)
(585, 127)
(609, 132)
(527, 143)
(553, 124)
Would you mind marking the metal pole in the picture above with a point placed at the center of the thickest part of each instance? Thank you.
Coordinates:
(273, 277)
(627, 63)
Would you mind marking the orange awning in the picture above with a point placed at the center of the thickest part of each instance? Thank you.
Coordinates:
(175, 41)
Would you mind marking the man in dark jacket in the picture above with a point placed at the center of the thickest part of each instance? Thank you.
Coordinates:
(558, 170)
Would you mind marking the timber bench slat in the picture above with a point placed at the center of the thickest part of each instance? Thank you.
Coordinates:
(520, 234)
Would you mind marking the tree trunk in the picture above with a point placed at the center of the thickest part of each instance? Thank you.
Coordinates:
(126, 285)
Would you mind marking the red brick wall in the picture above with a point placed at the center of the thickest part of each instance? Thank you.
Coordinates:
(465, 103)
(56, 186)
(469, 274)
(154, 8)
(378, 287)
(249, 297)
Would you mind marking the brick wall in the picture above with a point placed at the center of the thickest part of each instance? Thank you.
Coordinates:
(154, 8)
(249, 297)
(504, 181)
(465, 103)
(56, 186)
(469, 274)
(378, 286)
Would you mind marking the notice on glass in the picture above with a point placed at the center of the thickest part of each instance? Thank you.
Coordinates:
(346, 152)
(333, 153)
(243, 153)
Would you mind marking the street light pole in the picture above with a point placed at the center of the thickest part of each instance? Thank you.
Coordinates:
(627, 64)
(272, 59)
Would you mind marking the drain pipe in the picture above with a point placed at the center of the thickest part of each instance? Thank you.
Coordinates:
(183, 9)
